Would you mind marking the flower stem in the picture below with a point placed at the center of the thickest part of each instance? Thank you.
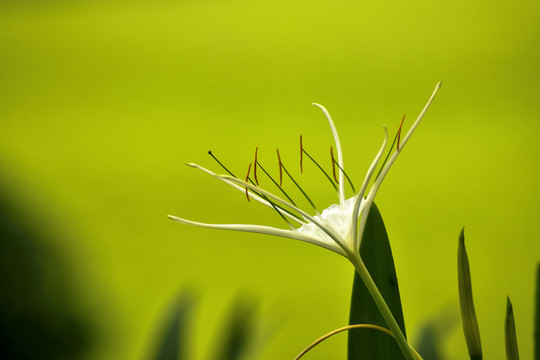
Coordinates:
(381, 304)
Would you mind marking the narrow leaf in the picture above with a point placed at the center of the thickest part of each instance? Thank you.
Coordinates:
(510, 333)
(537, 321)
(468, 314)
(377, 255)
(173, 344)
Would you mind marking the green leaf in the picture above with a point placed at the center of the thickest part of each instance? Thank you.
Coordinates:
(377, 255)
(173, 344)
(537, 321)
(468, 314)
(510, 333)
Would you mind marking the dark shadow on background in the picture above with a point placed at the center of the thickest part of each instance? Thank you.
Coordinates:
(235, 340)
(173, 341)
(237, 335)
(435, 332)
(38, 317)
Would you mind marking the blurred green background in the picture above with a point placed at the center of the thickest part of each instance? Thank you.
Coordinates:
(101, 103)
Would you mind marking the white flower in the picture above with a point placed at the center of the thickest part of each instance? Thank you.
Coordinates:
(339, 227)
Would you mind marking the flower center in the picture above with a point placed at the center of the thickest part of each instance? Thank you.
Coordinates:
(337, 218)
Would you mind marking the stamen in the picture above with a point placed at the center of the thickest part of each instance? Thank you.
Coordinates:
(282, 216)
(219, 162)
(298, 186)
(275, 183)
(274, 205)
(320, 168)
(277, 207)
(399, 132)
(301, 153)
(333, 164)
(346, 177)
(280, 166)
(255, 166)
(247, 177)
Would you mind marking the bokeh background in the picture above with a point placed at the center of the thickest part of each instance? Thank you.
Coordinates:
(101, 103)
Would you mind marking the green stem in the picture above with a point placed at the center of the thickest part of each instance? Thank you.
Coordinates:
(381, 304)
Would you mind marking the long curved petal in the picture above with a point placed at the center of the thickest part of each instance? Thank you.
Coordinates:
(268, 230)
(339, 241)
(360, 196)
(419, 118)
(377, 184)
(339, 152)
(241, 189)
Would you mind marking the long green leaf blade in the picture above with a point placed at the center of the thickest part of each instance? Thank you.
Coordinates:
(468, 313)
(377, 255)
(510, 333)
(537, 320)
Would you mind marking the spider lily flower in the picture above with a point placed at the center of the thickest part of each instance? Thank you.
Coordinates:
(339, 227)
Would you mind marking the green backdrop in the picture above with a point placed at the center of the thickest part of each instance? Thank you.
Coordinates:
(101, 103)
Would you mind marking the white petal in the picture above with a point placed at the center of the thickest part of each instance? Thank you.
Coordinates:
(419, 118)
(260, 229)
(360, 198)
(384, 171)
(338, 148)
(279, 200)
(252, 196)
